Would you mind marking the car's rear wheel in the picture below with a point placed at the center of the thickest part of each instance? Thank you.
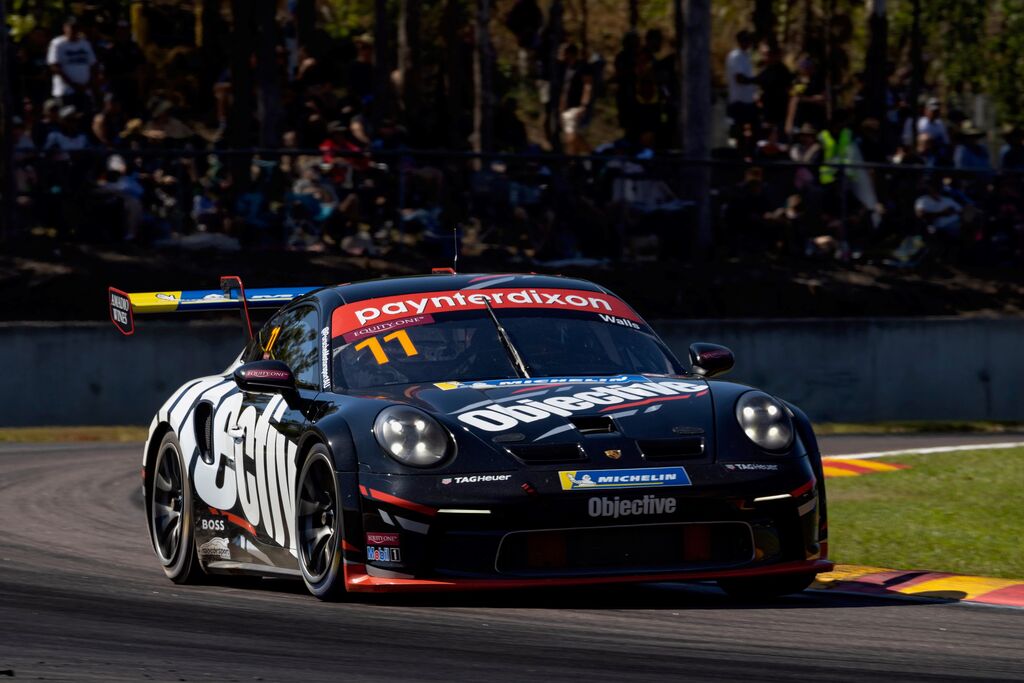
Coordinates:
(318, 526)
(766, 587)
(170, 515)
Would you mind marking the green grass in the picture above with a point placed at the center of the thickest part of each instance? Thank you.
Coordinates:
(955, 512)
(919, 427)
(71, 434)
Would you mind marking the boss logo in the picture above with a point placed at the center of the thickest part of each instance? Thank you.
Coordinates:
(211, 524)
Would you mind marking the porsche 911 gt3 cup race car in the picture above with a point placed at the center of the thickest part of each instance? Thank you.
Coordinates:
(474, 432)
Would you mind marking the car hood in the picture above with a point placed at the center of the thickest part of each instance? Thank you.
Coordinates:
(555, 410)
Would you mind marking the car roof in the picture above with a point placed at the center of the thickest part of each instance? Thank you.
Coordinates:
(417, 284)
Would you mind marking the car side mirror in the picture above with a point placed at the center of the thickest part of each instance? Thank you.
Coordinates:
(709, 360)
(265, 377)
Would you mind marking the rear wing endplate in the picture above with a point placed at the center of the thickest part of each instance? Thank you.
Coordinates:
(232, 295)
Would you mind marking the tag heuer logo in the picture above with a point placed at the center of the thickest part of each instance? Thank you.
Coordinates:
(613, 453)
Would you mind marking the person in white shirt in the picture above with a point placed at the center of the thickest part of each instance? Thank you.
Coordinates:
(68, 138)
(739, 76)
(939, 213)
(71, 60)
(930, 124)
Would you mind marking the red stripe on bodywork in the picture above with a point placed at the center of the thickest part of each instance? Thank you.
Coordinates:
(234, 519)
(531, 388)
(358, 581)
(797, 492)
(345, 545)
(400, 502)
(656, 399)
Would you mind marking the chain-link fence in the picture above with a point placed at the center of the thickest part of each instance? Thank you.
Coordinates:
(538, 207)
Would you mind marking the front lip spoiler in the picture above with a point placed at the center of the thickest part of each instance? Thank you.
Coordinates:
(358, 581)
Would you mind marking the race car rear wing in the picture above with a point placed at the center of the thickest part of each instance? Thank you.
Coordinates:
(232, 295)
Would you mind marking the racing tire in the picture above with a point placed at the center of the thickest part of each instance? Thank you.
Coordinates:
(766, 587)
(170, 515)
(318, 528)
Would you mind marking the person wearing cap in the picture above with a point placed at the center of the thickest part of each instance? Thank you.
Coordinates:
(71, 60)
(931, 124)
(69, 137)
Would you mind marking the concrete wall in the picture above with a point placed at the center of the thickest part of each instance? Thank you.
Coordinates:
(875, 369)
(855, 370)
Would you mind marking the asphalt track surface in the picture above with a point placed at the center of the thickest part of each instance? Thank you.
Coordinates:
(82, 598)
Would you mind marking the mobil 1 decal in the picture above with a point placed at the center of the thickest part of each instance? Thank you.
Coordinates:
(252, 467)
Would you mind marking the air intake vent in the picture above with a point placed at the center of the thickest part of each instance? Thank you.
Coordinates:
(559, 452)
(593, 424)
(672, 449)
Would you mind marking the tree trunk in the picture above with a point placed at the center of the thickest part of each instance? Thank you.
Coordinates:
(679, 27)
(305, 21)
(7, 189)
(556, 33)
(764, 21)
(451, 23)
(807, 39)
(696, 129)
(917, 71)
(381, 61)
(269, 109)
(584, 30)
(877, 58)
(210, 50)
(634, 15)
(409, 55)
(483, 80)
(240, 120)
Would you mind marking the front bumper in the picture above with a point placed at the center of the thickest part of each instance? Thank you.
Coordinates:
(516, 529)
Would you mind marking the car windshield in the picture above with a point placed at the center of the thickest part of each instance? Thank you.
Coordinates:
(465, 346)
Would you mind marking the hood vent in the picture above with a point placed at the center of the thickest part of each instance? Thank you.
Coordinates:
(538, 454)
(593, 424)
(680, 448)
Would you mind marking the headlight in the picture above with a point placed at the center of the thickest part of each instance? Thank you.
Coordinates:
(412, 437)
(764, 420)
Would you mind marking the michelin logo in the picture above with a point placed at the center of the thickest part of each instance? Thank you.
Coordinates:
(500, 417)
(647, 477)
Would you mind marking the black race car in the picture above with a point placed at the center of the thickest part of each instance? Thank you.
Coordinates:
(474, 432)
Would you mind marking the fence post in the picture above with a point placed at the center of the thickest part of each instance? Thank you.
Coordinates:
(844, 237)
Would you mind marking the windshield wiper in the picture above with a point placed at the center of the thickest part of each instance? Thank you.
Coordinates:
(510, 349)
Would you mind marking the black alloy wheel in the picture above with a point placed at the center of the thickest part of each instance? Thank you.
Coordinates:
(170, 515)
(318, 526)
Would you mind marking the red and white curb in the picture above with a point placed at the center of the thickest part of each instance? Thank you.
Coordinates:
(922, 584)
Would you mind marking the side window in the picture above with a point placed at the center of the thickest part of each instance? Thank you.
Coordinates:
(291, 337)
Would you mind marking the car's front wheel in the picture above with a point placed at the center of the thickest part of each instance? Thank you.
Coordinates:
(318, 526)
(765, 587)
(170, 515)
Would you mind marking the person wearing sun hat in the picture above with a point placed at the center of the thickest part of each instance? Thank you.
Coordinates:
(971, 151)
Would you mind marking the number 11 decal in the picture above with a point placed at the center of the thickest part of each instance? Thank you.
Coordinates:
(377, 349)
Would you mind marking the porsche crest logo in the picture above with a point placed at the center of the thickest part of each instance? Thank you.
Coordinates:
(613, 453)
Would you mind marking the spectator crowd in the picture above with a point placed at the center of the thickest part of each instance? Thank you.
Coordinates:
(104, 152)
